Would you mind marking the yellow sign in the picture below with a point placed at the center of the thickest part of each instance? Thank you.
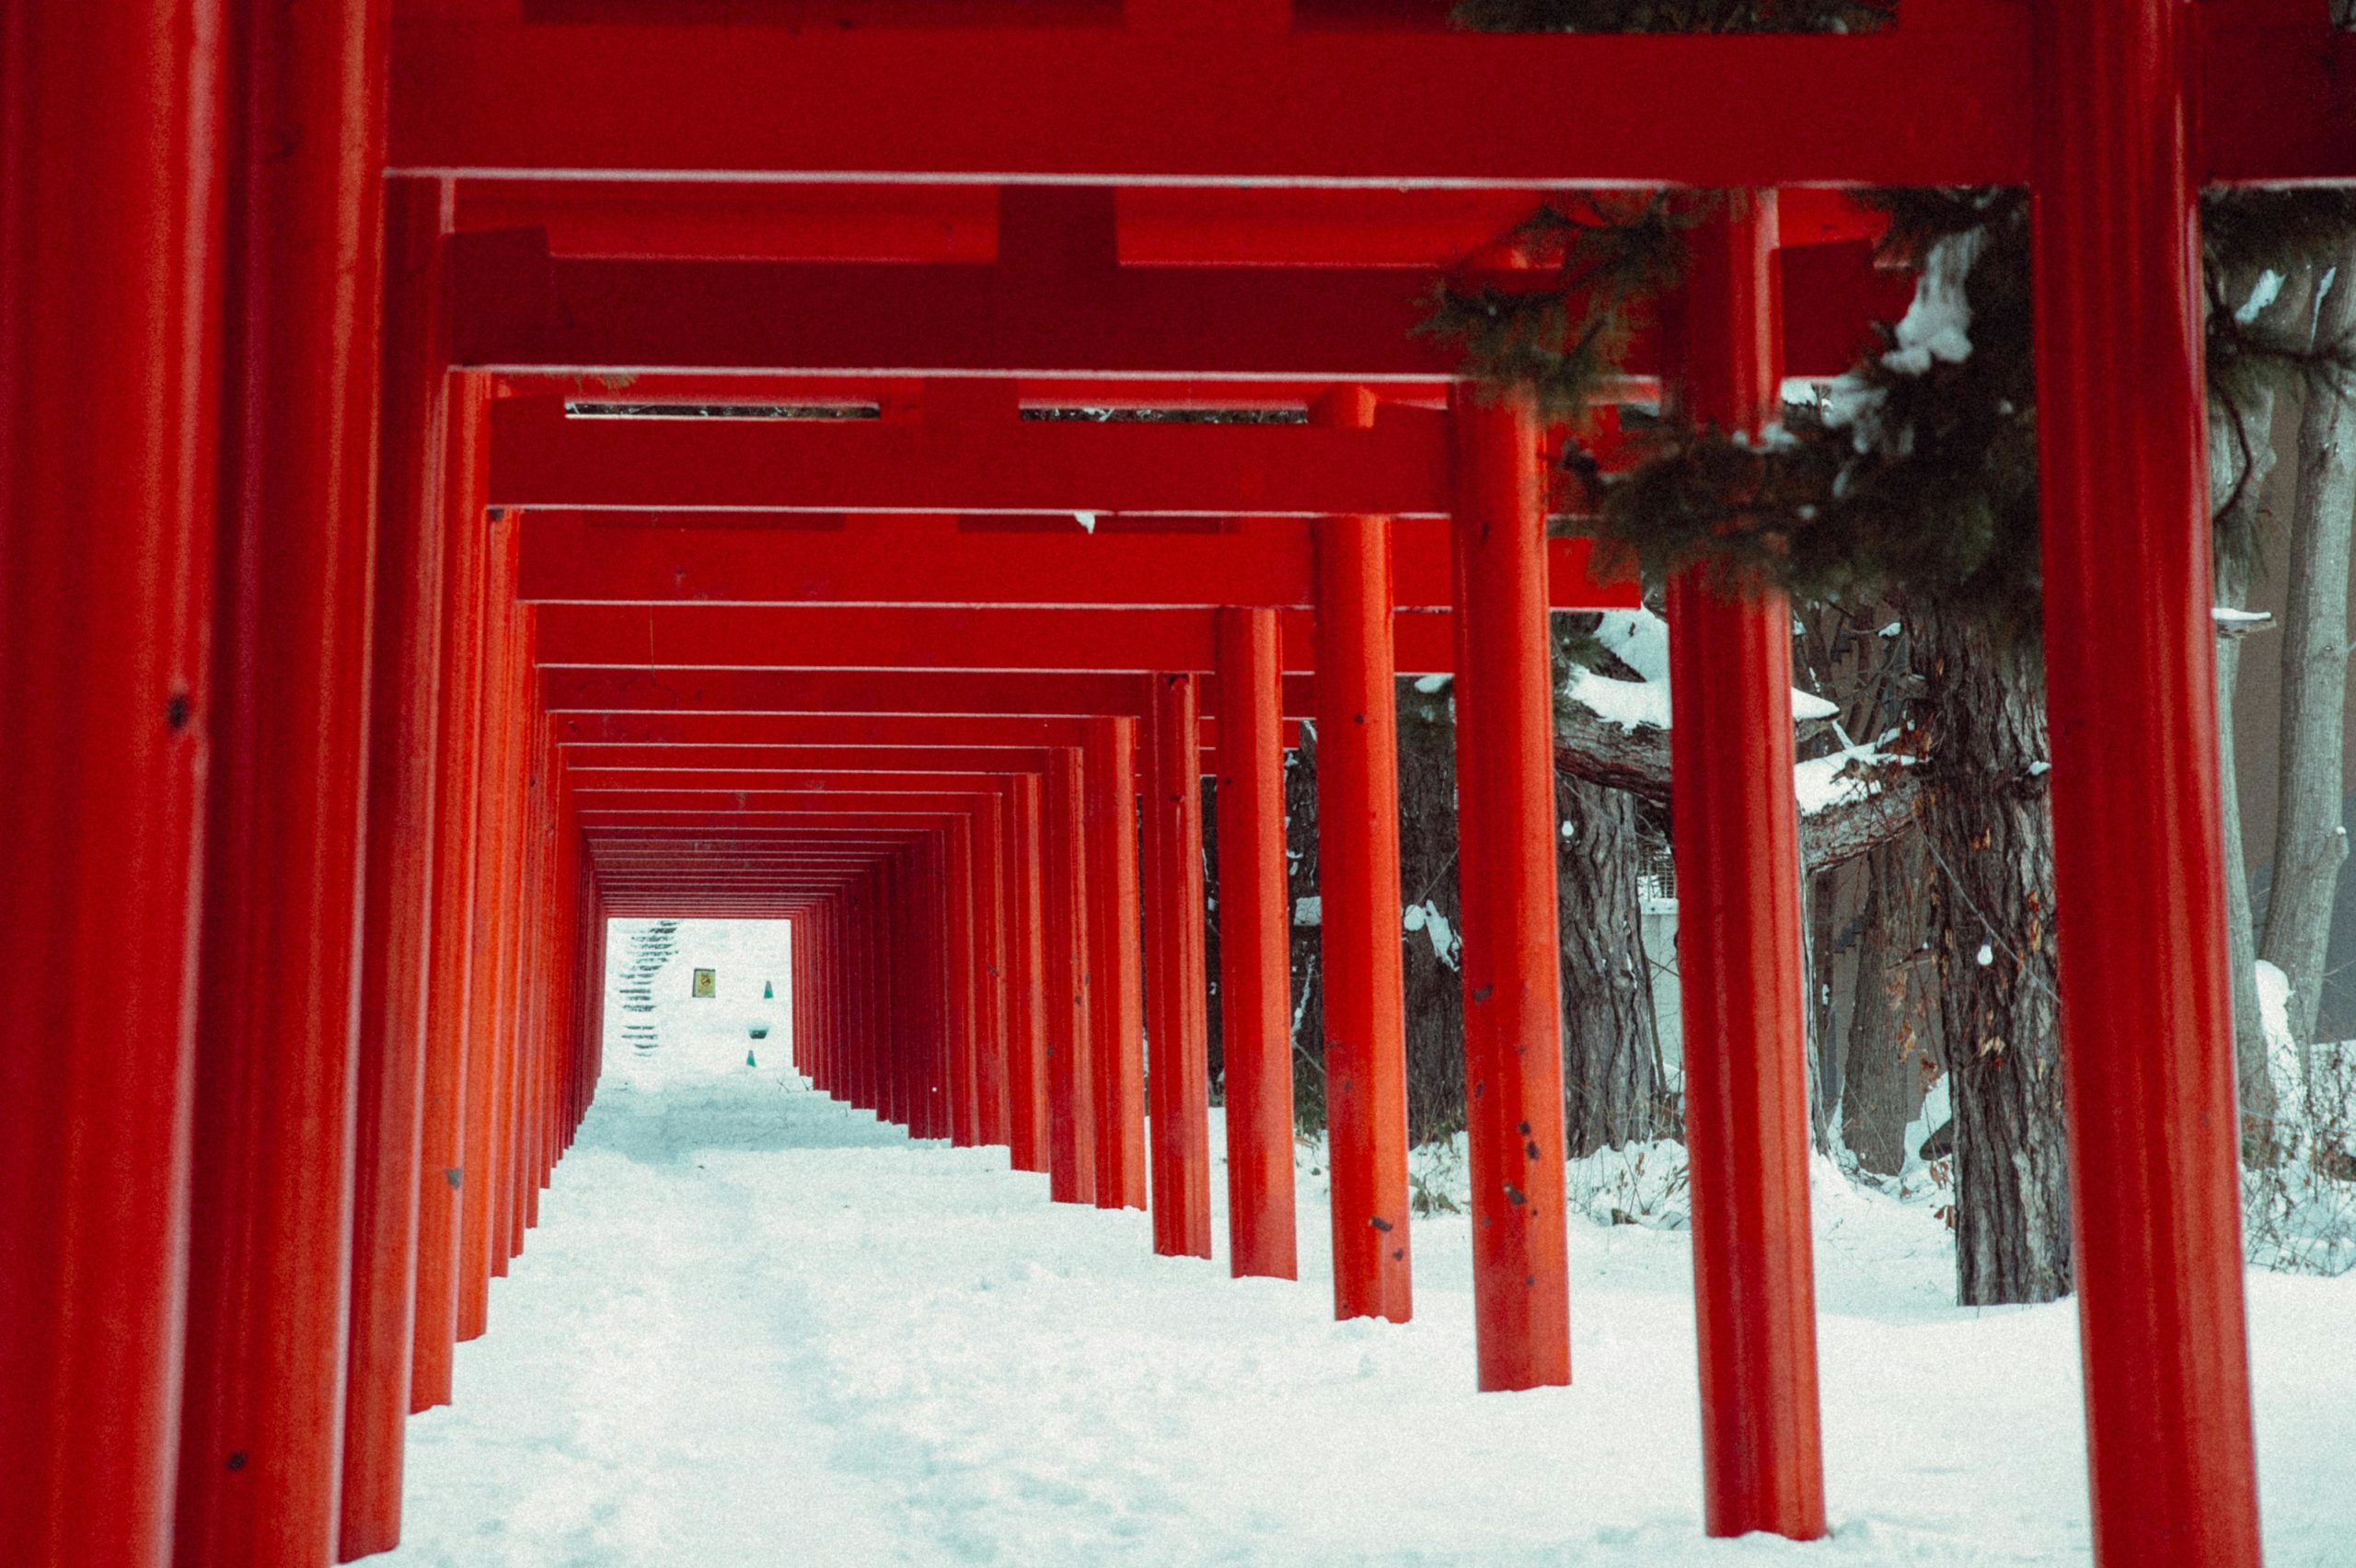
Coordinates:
(707, 982)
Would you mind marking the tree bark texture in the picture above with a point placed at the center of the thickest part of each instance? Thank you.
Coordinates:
(1300, 893)
(2241, 456)
(1614, 1087)
(1887, 1061)
(2309, 842)
(1989, 838)
(1433, 991)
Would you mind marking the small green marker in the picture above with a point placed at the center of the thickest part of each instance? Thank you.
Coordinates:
(748, 1060)
(768, 991)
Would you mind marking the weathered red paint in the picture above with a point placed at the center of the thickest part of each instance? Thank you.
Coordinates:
(1739, 960)
(2130, 685)
(1358, 862)
(1177, 1029)
(1255, 951)
(403, 770)
(1506, 876)
(1115, 984)
(110, 385)
(269, 1254)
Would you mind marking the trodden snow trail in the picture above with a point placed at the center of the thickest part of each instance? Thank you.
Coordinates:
(756, 1328)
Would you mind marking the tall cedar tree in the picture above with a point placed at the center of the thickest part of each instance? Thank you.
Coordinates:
(1911, 481)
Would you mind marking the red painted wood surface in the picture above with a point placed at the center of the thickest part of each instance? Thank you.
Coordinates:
(2130, 681)
(458, 976)
(270, 1201)
(1507, 876)
(1071, 1098)
(1115, 982)
(1177, 1026)
(1256, 952)
(403, 772)
(1740, 967)
(1358, 863)
(110, 383)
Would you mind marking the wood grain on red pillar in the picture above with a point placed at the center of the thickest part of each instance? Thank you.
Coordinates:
(1357, 866)
(1739, 956)
(1178, 1037)
(1115, 1021)
(2131, 681)
(403, 769)
(1506, 873)
(455, 975)
(270, 1249)
(110, 262)
(1071, 1096)
(1254, 949)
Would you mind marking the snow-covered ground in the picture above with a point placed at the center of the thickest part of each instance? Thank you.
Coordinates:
(756, 1328)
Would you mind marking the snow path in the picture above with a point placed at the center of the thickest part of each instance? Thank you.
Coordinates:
(756, 1328)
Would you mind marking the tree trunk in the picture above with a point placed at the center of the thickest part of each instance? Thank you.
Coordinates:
(1433, 988)
(2309, 842)
(1991, 840)
(1820, 892)
(1613, 1084)
(2241, 456)
(1886, 1067)
(1300, 893)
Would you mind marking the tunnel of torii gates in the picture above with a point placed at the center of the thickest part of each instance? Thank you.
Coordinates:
(364, 656)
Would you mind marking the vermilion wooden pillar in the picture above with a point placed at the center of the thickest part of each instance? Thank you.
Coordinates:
(403, 768)
(110, 360)
(269, 1255)
(1071, 1094)
(2130, 688)
(1117, 1023)
(1357, 858)
(1180, 1083)
(454, 972)
(964, 990)
(1505, 873)
(1026, 1078)
(1254, 947)
(1736, 837)
(486, 1036)
(993, 906)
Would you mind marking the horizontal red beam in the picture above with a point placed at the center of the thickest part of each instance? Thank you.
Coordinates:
(1942, 99)
(595, 789)
(857, 691)
(881, 729)
(585, 764)
(687, 730)
(515, 309)
(930, 692)
(1161, 227)
(540, 458)
(875, 638)
(569, 558)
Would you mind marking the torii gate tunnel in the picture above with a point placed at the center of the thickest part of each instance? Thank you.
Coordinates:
(371, 638)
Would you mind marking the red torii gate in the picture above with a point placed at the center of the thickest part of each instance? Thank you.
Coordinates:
(154, 343)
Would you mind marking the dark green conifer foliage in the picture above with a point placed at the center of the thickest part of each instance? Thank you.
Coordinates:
(1906, 482)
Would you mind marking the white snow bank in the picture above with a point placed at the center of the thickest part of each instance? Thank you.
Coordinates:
(757, 1330)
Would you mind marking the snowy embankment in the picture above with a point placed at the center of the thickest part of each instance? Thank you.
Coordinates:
(756, 1328)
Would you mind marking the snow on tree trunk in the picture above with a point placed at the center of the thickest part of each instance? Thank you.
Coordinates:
(1991, 841)
(1614, 1090)
(2309, 844)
